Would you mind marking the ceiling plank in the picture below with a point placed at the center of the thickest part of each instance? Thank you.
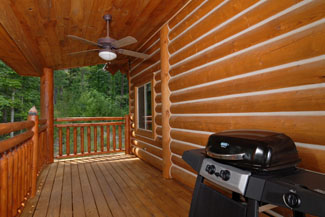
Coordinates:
(38, 28)
(27, 46)
(11, 55)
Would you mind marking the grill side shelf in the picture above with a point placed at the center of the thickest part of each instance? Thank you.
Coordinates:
(194, 158)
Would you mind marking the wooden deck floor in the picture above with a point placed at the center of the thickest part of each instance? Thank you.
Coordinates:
(111, 185)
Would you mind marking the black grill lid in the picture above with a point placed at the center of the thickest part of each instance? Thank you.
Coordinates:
(253, 149)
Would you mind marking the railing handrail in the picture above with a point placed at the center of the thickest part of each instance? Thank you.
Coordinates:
(71, 119)
(88, 124)
(10, 143)
(6, 128)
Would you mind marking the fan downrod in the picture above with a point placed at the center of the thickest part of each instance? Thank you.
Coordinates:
(107, 17)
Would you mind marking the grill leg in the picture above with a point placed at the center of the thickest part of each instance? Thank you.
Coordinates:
(199, 180)
(252, 208)
(298, 214)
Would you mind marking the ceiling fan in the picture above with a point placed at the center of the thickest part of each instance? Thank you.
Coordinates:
(108, 47)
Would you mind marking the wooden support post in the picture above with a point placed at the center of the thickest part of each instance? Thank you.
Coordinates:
(47, 109)
(165, 93)
(32, 115)
(127, 135)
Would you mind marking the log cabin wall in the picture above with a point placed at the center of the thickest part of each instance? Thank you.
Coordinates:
(241, 64)
(147, 144)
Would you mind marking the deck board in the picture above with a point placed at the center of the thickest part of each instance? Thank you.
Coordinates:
(31, 203)
(54, 204)
(66, 201)
(42, 205)
(88, 197)
(112, 185)
(77, 199)
(151, 183)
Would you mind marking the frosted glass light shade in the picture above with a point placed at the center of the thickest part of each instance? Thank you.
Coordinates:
(107, 55)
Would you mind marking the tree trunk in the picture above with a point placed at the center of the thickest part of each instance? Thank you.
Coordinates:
(82, 79)
(12, 119)
(122, 85)
(113, 87)
(122, 91)
(4, 115)
(55, 95)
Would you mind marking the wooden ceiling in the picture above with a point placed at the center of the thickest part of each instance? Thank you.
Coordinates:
(33, 32)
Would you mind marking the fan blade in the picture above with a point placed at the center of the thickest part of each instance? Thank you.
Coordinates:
(84, 40)
(124, 42)
(83, 51)
(133, 53)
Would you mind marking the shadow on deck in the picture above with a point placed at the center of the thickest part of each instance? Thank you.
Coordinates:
(109, 185)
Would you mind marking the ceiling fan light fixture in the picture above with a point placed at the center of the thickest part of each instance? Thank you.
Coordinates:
(107, 55)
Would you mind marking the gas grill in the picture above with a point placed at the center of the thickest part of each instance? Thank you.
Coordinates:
(259, 168)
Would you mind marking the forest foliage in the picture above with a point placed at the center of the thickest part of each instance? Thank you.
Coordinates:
(17, 94)
(80, 92)
(90, 92)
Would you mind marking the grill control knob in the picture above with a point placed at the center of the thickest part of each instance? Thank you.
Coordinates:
(291, 200)
(211, 169)
(225, 175)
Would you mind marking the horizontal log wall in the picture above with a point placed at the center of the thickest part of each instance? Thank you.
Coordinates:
(247, 64)
(237, 64)
(147, 145)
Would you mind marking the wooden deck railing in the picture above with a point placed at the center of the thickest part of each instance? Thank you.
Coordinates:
(92, 136)
(21, 159)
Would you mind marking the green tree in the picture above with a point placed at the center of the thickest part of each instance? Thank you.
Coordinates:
(90, 91)
(17, 94)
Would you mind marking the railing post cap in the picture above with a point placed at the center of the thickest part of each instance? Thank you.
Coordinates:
(32, 111)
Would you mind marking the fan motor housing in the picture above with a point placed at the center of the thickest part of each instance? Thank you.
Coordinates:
(106, 42)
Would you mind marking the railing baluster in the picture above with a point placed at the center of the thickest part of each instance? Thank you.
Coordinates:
(10, 181)
(108, 132)
(120, 137)
(82, 140)
(20, 180)
(75, 140)
(25, 169)
(15, 184)
(18, 164)
(95, 138)
(114, 137)
(88, 137)
(60, 141)
(28, 168)
(31, 167)
(102, 139)
(3, 185)
(68, 141)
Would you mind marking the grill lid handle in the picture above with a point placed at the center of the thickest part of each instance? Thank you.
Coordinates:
(239, 156)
